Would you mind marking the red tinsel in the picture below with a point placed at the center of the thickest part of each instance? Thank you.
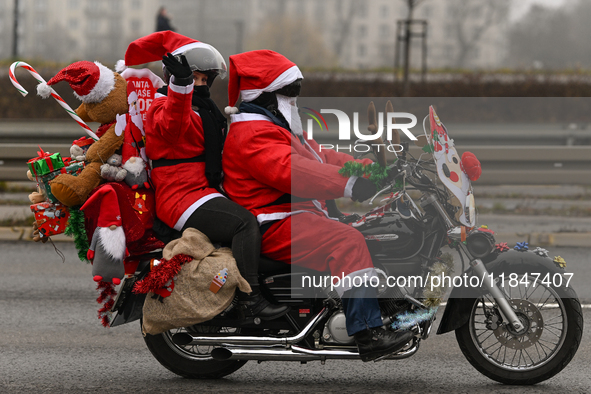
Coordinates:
(107, 299)
(161, 274)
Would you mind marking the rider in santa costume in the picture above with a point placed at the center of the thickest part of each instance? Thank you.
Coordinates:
(284, 178)
(184, 138)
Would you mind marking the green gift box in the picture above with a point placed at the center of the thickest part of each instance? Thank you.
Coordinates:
(45, 163)
(74, 169)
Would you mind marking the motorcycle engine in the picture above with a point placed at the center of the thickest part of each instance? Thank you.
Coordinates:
(335, 331)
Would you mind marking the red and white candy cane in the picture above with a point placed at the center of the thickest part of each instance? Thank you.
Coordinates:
(54, 94)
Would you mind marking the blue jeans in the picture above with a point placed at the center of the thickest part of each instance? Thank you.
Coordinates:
(361, 309)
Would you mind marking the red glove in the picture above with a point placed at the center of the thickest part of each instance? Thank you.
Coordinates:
(471, 166)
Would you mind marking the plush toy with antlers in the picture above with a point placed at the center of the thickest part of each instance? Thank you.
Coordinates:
(104, 96)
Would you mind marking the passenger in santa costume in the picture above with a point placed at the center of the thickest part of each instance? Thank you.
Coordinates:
(283, 178)
(184, 138)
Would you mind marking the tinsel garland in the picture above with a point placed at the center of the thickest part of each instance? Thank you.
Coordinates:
(76, 229)
(375, 172)
(161, 274)
(432, 296)
(407, 320)
(107, 299)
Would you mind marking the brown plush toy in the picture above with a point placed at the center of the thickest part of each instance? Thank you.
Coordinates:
(104, 96)
(36, 196)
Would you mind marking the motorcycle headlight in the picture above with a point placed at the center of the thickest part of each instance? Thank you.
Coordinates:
(480, 243)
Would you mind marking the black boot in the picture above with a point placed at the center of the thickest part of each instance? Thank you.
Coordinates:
(377, 342)
(255, 305)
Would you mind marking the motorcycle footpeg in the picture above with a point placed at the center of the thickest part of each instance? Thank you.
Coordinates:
(385, 356)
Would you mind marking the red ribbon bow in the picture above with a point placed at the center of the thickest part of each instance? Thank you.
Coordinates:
(41, 153)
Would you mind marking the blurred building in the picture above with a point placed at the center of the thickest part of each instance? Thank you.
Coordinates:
(351, 34)
(362, 33)
(69, 30)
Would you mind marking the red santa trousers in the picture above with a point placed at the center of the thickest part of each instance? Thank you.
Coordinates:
(316, 242)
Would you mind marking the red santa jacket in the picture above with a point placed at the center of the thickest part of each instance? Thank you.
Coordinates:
(175, 131)
(263, 162)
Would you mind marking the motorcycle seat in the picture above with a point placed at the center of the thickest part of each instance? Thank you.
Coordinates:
(267, 265)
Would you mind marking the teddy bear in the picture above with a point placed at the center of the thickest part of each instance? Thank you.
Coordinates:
(77, 153)
(112, 171)
(37, 196)
(104, 96)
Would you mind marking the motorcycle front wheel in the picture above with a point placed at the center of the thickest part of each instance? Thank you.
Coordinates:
(190, 361)
(553, 322)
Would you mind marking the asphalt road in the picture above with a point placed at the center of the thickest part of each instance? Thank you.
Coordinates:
(52, 342)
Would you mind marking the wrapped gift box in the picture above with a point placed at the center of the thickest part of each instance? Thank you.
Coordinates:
(74, 168)
(51, 218)
(83, 143)
(45, 163)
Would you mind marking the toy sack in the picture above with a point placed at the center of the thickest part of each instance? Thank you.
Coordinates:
(179, 286)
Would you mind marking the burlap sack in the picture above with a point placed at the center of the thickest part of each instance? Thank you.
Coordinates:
(191, 301)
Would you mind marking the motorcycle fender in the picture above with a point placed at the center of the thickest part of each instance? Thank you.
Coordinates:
(460, 302)
(129, 305)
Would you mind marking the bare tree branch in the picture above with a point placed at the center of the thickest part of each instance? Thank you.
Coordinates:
(344, 23)
(472, 19)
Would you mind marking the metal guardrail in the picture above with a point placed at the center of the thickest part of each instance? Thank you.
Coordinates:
(531, 164)
(525, 165)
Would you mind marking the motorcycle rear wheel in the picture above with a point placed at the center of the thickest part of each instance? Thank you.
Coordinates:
(554, 322)
(190, 361)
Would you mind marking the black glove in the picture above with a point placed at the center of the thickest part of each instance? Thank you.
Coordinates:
(183, 75)
(392, 174)
(363, 189)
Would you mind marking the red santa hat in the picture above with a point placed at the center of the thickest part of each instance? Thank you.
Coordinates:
(109, 206)
(91, 82)
(154, 46)
(255, 72)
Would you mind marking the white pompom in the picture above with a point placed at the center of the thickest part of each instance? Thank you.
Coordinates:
(44, 90)
(231, 110)
(120, 66)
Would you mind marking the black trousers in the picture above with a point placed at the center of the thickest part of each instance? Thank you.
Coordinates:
(223, 220)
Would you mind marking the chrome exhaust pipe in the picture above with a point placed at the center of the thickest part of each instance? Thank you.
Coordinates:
(276, 354)
(297, 353)
(184, 339)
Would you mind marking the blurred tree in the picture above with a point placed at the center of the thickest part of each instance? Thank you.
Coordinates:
(345, 15)
(411, 5)
(296, 39)
(552, 37)
(470, 20)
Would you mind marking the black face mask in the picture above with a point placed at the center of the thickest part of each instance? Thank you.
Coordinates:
(201, 91)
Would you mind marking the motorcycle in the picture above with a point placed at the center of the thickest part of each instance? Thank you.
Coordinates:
(515, 318)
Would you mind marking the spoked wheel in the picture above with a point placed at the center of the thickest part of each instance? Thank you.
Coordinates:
(553, 323)
(191, 361)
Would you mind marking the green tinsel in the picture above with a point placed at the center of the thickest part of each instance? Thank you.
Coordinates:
(434, 294)
(376, 172)
(76, 229)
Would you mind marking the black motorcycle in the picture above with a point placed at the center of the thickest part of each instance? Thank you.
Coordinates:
(515, 316)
